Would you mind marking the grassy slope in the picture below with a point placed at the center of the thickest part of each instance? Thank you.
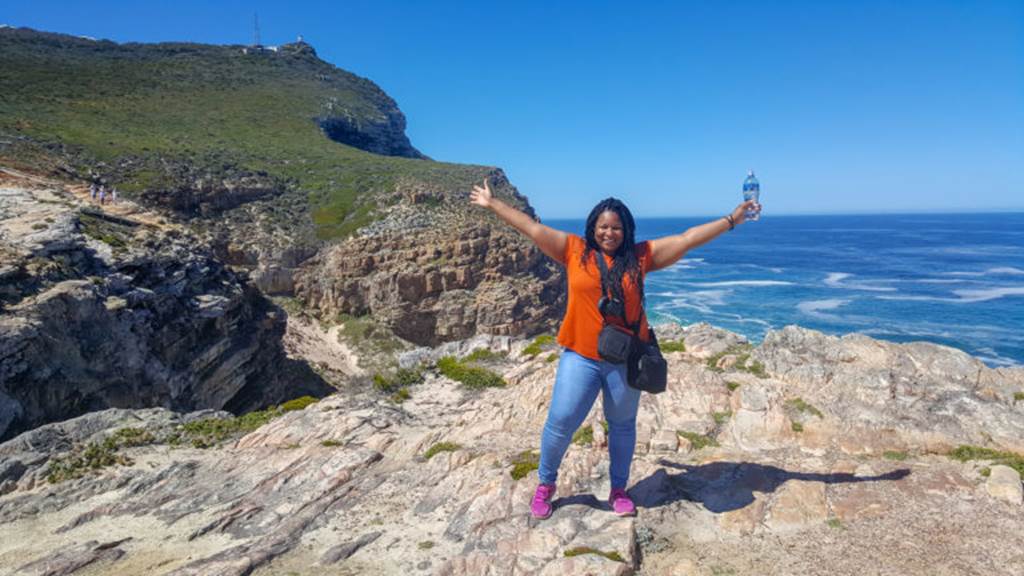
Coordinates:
(206, 105)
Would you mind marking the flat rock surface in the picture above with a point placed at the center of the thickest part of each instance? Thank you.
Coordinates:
(344, 487)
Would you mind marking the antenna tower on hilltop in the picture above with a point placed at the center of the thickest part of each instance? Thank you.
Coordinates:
(256, 30)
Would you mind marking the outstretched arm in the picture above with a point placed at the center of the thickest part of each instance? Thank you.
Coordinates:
(550, 241)
(668, 250)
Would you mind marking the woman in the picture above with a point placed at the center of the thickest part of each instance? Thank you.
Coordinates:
(581, 372)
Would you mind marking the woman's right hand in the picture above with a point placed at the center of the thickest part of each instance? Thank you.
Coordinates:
(481, 196)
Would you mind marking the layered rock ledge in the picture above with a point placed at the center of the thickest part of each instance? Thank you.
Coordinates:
(114, 307)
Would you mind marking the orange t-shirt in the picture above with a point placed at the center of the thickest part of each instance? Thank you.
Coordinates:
(583, 321)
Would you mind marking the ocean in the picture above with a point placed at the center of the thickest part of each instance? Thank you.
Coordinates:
(952, 279)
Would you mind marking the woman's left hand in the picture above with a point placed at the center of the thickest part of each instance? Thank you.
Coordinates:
(739, 215)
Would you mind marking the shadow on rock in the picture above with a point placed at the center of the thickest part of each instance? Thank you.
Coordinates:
(726, 486)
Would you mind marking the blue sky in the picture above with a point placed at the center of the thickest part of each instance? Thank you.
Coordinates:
(840, 107)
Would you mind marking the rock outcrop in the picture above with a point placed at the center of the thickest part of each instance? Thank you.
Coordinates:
(725, 480)
(105, 310)
(437, 274)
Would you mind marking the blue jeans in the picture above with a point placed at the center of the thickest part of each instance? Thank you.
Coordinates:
(577, 383)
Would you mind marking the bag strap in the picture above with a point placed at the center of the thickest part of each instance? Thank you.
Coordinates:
(606, 291)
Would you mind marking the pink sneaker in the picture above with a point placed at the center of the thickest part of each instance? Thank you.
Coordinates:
(621, 503)
(541, 506)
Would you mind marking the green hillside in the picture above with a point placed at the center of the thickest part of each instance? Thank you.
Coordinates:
(153, 117)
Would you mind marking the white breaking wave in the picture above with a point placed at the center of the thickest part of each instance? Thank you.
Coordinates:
(815, 308)
(992, 357)
(965, 296)
(988, 294)
(741, 283)
(836, 280)
(999, 270)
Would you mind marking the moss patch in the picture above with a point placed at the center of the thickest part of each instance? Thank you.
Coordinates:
(300, 403)
(743, 362)
(441, 447)
(524, 463)
(721, 417)
(672, 346)
(698, 441)
(581, 550)
(331, 443)
(732, 386)
(584, 436)
(964, 453)
(897, 455)
(798, 405)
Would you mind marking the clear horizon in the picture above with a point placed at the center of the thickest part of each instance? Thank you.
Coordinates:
(841, 108)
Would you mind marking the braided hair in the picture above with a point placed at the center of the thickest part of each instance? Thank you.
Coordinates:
(624, 259)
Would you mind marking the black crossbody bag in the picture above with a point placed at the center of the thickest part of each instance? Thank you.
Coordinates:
(646, 368)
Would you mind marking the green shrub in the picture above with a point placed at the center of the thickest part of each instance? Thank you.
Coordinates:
(964, 453)
(834, 523)
(483, 355)
(331, 443)
(1018, 396)
(732, 385)
(402, 378)
(672, 346)
(400, 395)
(584, 436)
(797, 427)
(799, 405)
(425, 545)
(580, 550)
(551, 358)
(894, 455)
(210, 432)
(698, 441)
(441, 447)
(743, 362)
(92, 457)
(97, 455)
(523, 464)
(539, 344)
(721, 417)
(472, 377)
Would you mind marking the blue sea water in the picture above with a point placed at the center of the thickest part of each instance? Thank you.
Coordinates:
(952, 279)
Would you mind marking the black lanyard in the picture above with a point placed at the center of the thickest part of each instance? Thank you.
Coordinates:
(608, 296)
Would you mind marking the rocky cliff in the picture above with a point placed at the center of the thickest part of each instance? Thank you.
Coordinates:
(111, 307)
(272, 157)
(808, 454)
(433, 270)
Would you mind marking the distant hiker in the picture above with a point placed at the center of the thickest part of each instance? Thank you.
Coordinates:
(92, 191)
(582, 372)
(103, 194)
(113, 195)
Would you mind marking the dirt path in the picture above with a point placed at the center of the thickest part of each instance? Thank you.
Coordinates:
(78, 194)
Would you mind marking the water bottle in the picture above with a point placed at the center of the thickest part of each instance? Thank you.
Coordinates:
(752, 191)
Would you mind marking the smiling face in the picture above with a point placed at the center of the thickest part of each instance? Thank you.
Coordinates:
(608, 232)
